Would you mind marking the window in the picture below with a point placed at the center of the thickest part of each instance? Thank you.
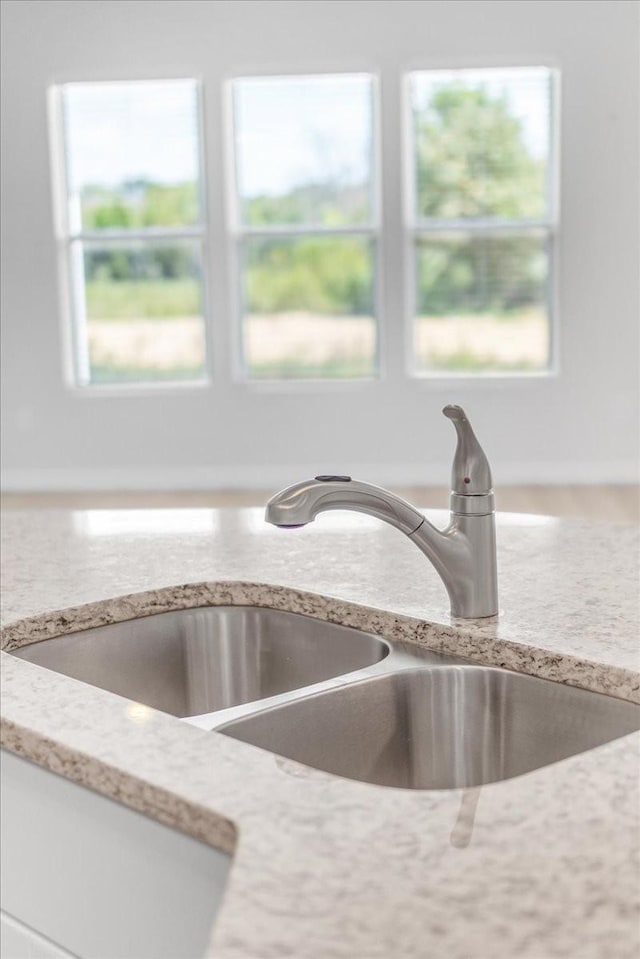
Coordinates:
(481, 219)
(132, 230)
(305, 225)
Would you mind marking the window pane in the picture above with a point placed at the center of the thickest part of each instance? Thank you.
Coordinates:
(143, 310)
(132, 154)
(304, 150)
(309, 307)
(482, 304)
(482, 142)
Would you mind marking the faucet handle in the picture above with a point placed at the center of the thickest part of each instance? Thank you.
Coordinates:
(471, 473)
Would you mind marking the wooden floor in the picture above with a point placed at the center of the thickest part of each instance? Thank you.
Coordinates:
(609, 503)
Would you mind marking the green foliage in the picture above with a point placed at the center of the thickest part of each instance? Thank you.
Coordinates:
(111, 214)
(479, 275)
(472, 160)
(328, 204)
(139, 203)
(318, 274)
(141, 263)
(135, 205)
(175, 205)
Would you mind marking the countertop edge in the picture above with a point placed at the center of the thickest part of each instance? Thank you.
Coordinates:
(168, 808)
(475, 640)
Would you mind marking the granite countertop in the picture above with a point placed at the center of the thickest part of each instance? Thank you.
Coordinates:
(543, 865)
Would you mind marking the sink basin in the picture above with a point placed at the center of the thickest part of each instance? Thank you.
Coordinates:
(438, 728)
(195, 661)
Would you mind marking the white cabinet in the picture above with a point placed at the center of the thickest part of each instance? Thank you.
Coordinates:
(90, 877)
(17, 941)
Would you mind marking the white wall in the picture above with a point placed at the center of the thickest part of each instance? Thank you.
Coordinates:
(581, 425)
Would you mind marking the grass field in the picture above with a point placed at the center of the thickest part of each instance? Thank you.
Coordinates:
(308, 346)
(151, 299)
(153, 330)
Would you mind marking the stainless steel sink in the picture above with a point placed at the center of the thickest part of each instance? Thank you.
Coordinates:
(339, 699)
(438, 727)
(202, 660)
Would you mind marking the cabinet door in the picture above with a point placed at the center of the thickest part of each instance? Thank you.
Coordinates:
(100, 880)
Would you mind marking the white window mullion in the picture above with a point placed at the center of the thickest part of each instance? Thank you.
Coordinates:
(133, 235)
(305, 230)
(488, 227)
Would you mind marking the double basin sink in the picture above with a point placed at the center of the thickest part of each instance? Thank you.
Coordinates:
(337, 699)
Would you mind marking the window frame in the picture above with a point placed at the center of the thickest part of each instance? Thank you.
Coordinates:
(71, 244)
(237, 233)
(393, 175)
(416, 228)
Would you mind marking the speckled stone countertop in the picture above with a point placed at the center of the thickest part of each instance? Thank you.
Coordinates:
(543, 865)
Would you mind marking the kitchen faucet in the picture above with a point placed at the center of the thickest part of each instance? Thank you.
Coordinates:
(464, 554)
